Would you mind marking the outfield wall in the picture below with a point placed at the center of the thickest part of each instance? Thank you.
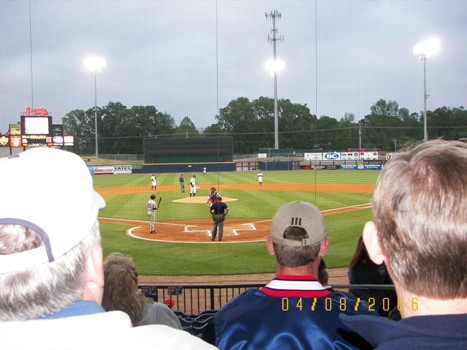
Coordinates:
(215, 167)
(186, 167)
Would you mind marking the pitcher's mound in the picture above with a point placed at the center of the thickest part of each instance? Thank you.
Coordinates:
(200, 199)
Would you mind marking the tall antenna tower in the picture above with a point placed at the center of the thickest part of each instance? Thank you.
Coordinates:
(275, 67)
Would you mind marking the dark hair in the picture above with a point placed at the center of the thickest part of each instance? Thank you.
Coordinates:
(360, 254)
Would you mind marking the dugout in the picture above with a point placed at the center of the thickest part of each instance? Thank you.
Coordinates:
(168, 150)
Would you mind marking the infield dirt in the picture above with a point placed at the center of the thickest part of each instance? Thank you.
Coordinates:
(236, 230)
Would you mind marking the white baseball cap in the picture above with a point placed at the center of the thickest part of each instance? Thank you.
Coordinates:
(301, 214)
(51, 192)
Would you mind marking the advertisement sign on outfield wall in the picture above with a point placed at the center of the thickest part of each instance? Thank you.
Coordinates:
(110, 170)
(350, 155)
(368, 155)
(313, 156)
(331, 156)
(348, 167)
(122, 169)
(361, 167)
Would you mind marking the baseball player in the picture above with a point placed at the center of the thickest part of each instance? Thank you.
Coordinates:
(181, 179)
(260, 178)
(152, 207)
(153, 182)
(193, 186)
(213, 197)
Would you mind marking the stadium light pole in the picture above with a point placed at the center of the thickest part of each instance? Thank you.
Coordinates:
(275, 66)
(95, 65)
(424, 50)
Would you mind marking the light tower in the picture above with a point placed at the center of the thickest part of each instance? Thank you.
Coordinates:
(95, 65)
(275, 66)
(425, 50)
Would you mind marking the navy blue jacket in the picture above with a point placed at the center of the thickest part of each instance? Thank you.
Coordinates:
(289, 313)
(412, 333)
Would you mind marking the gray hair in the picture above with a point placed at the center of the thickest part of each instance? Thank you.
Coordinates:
(44, 289)
(296, 256)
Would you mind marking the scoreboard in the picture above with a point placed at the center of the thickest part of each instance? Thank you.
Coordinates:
(36, 130)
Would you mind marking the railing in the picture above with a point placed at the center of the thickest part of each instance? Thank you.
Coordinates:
(195, 299)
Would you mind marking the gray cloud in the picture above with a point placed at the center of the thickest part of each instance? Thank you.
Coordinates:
(163, 53)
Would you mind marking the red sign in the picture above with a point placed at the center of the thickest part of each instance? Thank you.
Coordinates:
(35, 111)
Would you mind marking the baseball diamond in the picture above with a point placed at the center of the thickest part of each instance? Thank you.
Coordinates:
(236, 230)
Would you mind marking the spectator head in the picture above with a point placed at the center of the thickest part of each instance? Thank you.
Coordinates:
(360, 254)
(420, 223)
(323, 276)
(121, 291)
(169, 302)
(50, 254)
(297, 234)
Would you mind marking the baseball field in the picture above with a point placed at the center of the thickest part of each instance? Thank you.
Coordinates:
(182, 245)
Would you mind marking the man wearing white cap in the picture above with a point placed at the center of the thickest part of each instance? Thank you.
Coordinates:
(51, 273)
(293, 311)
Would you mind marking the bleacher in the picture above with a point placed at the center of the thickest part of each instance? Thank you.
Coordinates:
(200, 325)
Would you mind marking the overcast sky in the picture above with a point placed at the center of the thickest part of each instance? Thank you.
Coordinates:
(191, 57)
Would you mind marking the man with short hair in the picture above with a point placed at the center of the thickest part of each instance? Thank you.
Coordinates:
(219, 211)
(419, 230)
(51, 273)
(293, 311)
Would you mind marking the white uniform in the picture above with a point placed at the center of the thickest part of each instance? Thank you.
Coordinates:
(260, 178)
(152, 207)
(193, 186)
(153, 182)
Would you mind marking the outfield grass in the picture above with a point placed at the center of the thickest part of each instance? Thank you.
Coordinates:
(156, 258)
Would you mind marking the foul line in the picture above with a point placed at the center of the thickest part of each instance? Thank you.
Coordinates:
(252, 227)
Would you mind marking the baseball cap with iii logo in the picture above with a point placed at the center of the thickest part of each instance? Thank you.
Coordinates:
(301, 214)
(51, 192)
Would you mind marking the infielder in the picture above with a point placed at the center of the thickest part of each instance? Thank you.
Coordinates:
(182, 183)
(193, 186)
(153, 182)
(260, 178)
(152, 207)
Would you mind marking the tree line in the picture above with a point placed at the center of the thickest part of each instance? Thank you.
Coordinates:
(122, 130)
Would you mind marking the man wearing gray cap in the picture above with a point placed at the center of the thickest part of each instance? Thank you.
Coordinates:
(293, 311)
(51, 273)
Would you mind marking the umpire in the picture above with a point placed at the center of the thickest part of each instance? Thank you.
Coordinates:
(219, 211)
